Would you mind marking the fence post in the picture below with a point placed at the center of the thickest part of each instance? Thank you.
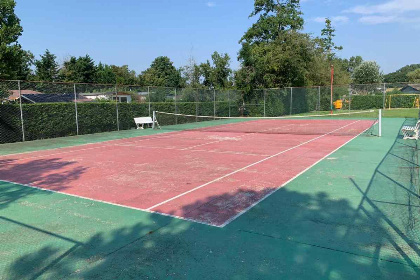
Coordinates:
(214, 103)
(350, 93)
(384, 97)
(380, 123)
(196, 104)
(319, 98)
(229, 101)
(291, 100)
(148, 96)
(176, 110)
(21, 112)
(264, 92)
(75, 108)
(116, 106)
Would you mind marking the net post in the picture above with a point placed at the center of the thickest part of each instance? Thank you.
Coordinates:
(380, 123)
(148, 96)
(116, 106)
(21, 112)
(75, 108)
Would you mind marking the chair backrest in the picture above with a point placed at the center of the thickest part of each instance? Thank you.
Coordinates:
(418, 125)
(143, 120)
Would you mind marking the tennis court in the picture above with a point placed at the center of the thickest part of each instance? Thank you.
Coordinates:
(305, 197)
(183, 173)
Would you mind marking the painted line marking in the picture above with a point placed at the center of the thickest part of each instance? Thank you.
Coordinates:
(284, 184)
(246, 167)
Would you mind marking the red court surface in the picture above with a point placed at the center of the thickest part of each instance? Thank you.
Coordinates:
(204, 176)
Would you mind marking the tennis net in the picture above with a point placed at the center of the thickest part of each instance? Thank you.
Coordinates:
(351, 123)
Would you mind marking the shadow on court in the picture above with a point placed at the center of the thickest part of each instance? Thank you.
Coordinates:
(290, 235)
(54, 173)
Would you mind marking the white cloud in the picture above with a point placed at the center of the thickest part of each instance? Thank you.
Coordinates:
(210, 4)
(394, 11)
(334, 20)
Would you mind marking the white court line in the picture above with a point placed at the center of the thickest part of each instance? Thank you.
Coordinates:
(248, 166)
(284, 184)
(110, 203)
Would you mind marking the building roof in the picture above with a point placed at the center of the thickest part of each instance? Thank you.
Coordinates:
(410, 89)
(52, 97)
(15, 93)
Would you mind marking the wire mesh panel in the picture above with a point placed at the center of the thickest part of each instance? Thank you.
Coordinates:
(97, 108)
(48, 110)
(277, 102)
(304, 100)
(402, 95)
(11, 129)
(133, 103)
(205, 102)
(254, 106)
(186, 101)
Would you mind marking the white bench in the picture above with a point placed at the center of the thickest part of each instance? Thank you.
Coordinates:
(140, 122)
(411, 132)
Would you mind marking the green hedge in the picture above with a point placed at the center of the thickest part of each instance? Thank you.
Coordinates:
(364, 102)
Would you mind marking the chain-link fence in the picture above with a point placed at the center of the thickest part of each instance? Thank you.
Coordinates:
(39, 110)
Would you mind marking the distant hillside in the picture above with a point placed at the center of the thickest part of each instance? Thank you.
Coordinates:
(401, 74)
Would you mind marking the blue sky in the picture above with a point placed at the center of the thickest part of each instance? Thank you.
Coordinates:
(134, 32)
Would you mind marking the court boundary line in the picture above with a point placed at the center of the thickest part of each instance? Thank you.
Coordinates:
(287, 182)
(110, 203)
(180, 217)
(248, 166)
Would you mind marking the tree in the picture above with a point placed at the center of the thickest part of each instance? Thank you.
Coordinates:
(328, 34)
(401, 74)
(368, 72)
(162, 73)
(14, 61)
(79, 70)
(124, 76)
(221, 71)
(46, 67)
(104, 74)
(275, 18)
(192, 74)
(414, 76)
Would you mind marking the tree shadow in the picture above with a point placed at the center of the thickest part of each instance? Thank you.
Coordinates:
(290, 235)
(54, 173)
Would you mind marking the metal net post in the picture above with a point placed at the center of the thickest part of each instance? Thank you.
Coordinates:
(21, 112)
(75, 108)
(116, 106)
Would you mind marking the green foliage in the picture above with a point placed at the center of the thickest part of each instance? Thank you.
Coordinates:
(401, 74)
(162, 73)
(105, 74)
(328, 33)
(368, 72)
(364, 102)
(275, 19)
(14, 61)
(46, 67)
(414, 76)
(79, 70)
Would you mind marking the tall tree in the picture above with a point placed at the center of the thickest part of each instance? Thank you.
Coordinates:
(275, 18)
(221, 71)
(327, 42)
(14, 61)
(192, 74)
(79, 70)
(162, 72)
(46, 67)
(414, 76)
(368, 72)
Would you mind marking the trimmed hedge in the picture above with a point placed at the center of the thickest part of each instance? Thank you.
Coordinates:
(50, 120)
